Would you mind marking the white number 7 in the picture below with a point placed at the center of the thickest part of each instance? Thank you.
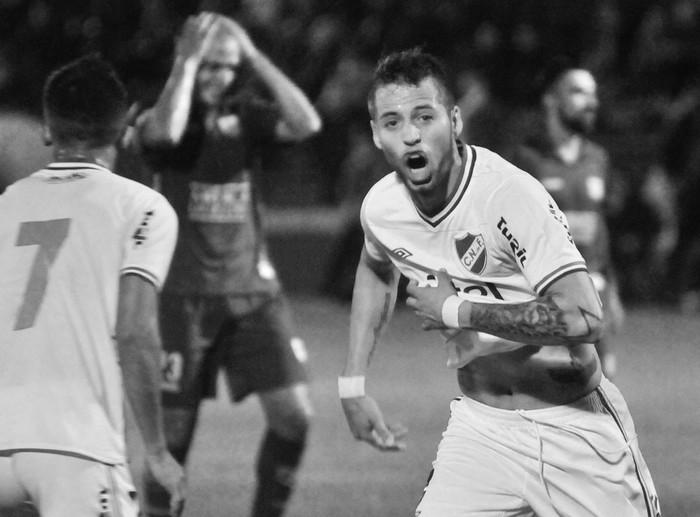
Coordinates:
(49, 236)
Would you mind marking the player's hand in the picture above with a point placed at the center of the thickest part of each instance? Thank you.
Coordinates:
(367, 424)
(427, 301)
(248, 48)
(196, 35)
(167, 472)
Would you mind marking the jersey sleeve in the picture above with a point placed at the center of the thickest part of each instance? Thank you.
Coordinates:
(374, 248)
(533, 232)
(151, 239)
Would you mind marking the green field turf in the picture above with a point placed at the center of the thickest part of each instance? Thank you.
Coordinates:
(659, 355)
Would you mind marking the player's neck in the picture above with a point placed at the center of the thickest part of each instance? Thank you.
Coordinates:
(103, 156)
(565, 143)
(430, 203)
(569, 150)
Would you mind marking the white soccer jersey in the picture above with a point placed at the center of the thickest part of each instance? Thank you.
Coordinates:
(67, 233)
(501, 237)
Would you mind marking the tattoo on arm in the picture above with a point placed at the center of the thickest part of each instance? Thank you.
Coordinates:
(540, 319)
(383, 320)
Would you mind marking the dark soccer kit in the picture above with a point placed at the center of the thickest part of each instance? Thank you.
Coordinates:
(222, 305)
(579, 189)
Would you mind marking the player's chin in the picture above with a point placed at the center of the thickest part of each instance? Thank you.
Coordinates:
(418, 178)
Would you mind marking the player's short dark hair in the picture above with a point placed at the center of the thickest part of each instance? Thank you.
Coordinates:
(553, 71)
(410, 67)
(85, 101)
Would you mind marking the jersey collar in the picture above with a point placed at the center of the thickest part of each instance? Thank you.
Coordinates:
(59, 166)
(469, 161)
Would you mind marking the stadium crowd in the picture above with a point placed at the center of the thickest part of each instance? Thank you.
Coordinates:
(645, 54)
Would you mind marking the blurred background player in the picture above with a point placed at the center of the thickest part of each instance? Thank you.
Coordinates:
(680, 166)
(84, 253)
(222, 305)
(575, 171)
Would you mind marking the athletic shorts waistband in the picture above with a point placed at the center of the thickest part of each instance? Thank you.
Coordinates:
(558, 415)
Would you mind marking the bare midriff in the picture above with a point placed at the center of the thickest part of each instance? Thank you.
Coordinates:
(532, 377)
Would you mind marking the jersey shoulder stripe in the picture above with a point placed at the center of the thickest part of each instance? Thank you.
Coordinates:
(558, 273)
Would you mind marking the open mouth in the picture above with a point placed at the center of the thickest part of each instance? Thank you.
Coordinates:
(416, 161)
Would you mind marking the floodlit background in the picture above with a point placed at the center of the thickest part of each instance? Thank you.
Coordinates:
(645, 54)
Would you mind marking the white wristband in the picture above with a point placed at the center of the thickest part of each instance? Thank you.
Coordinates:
(450, 311)
(351, 387)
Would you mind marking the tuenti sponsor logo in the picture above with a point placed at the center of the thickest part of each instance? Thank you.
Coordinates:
(520, 253)
(559, 216)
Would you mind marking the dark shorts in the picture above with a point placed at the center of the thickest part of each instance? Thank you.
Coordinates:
(250, 338)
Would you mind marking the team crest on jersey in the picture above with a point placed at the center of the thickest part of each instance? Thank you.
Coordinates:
(471, 250)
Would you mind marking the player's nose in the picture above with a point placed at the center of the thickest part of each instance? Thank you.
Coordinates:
(410, 134)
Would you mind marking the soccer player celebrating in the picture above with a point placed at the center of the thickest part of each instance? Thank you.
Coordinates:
(575, 171)
(83, 253)
(538, 430)
(222, 305)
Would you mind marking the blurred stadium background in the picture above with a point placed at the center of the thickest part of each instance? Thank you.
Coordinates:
(646, 55)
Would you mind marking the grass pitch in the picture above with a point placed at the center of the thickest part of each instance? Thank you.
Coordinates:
(659, 361)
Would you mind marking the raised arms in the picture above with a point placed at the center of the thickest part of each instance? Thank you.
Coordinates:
(299, 119)
(166, 122)
(221, 43)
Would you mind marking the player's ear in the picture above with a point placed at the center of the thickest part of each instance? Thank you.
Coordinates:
(548, 100)
(375, 137)
(46, 135)
(457, 122)
(133, 113)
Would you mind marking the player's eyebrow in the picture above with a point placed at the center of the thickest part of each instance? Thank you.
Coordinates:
(395, 113)
(422, 107)
(388, 114)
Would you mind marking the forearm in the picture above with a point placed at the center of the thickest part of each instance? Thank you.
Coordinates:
(299, 115)
(139, 357)
(374, 298)
(169, 116)
(544, 321)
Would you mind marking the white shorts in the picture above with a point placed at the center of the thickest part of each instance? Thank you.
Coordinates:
(579, 460)
(59, 485)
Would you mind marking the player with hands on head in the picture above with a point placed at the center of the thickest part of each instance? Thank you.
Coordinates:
(493, 269)
(84, 254)
(223, 306)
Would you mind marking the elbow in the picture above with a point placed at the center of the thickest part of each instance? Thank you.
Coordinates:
(315, 125)
(299, 128)
(161, 135)
(159, 140)
(588, 326)
(137, 336)
(311, 126)
(170, 138)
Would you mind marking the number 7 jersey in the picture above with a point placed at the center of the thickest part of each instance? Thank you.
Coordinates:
(67, 234)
